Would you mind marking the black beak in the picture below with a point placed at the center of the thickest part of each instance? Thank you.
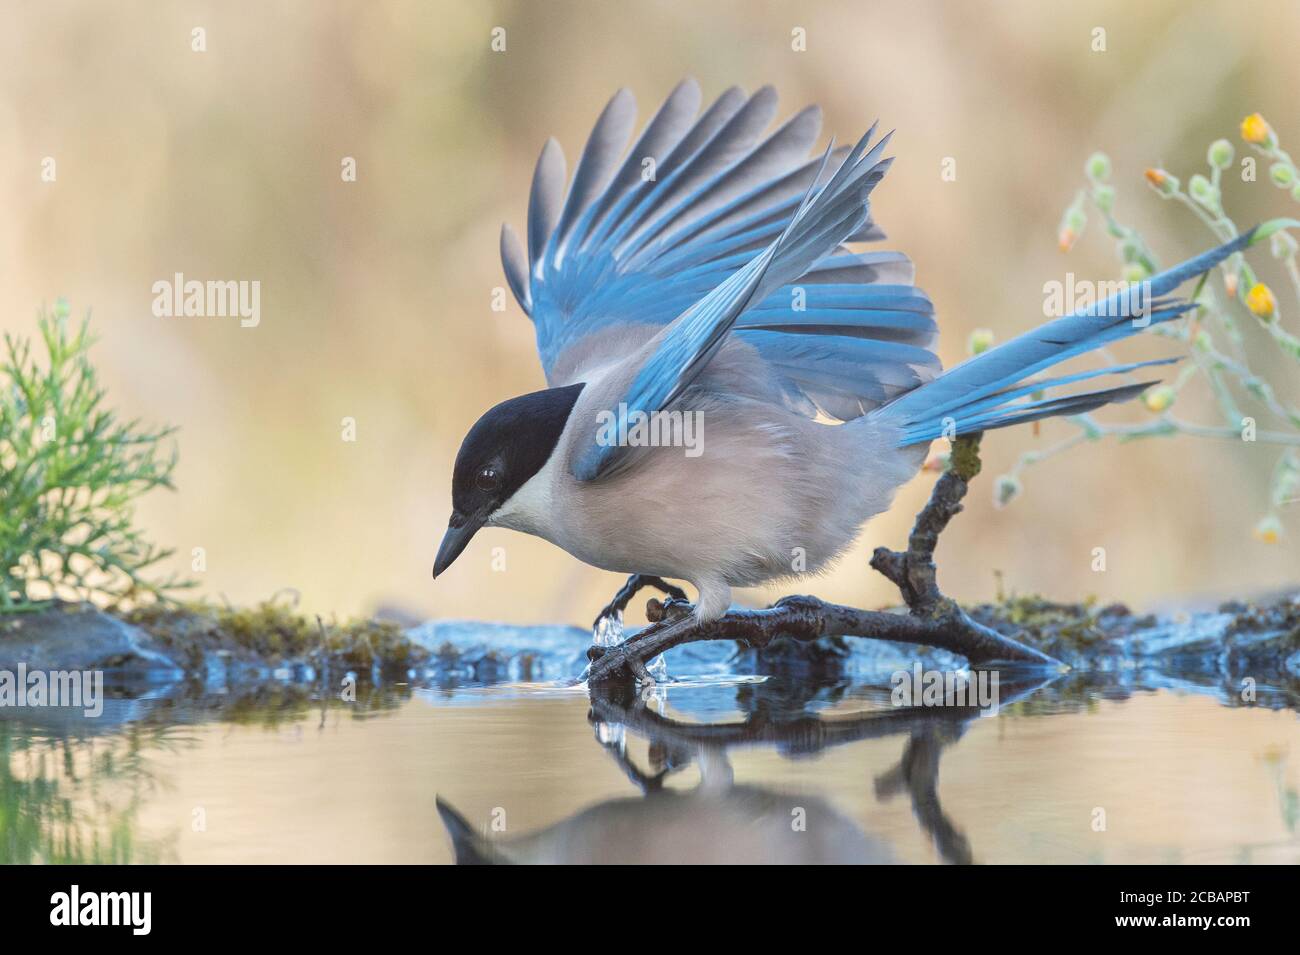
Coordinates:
(460, 530)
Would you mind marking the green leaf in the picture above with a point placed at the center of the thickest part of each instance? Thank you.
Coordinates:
(1265, 229)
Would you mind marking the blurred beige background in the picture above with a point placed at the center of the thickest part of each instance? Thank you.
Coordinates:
(376, 294)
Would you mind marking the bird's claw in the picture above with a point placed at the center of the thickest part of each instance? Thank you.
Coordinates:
(620, 659)
(608, 612)
(674, 608)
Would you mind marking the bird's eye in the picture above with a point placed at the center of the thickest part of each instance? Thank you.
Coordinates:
(487, 479)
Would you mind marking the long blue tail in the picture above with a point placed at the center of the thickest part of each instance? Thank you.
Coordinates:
(985, 391)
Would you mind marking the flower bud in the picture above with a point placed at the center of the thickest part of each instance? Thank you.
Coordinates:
(1162, 182)
(1158, 399)
(1072, 225)
(1255, 129)
(61, 309)
(981, 340)
(1268, 530)
(1136, 272)
(1098, 167)
(1104, 196)
(1260, 301)
(1005, 490)
(1281, 174)
(1220, 154)
(1203, 192)
(1230, 284)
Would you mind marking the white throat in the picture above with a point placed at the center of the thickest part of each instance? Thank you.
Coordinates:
(531, 508)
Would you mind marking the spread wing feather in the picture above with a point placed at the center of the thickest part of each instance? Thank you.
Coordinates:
(644, 235)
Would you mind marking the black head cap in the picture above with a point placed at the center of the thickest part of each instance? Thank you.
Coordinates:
(506, 447)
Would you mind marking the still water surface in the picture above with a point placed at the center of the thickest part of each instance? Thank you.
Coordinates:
(1080, 769)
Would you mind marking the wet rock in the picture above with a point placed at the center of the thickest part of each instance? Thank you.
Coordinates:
(80, 637)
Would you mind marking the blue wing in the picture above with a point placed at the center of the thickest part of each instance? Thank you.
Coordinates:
(827, 215)
(645, 238)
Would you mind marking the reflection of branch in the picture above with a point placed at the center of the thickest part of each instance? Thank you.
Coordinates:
(644, 781)
(930, 730)
(801, 735)
(933, 620)
(918, 773)
(663, 764)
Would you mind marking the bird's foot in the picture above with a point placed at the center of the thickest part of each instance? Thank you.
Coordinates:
(607, 630)
(641, 656)
(617, 659)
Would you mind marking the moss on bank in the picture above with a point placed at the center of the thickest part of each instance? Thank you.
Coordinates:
(1040, 621)
(273, 632)
(1080, 630)
(273, 642)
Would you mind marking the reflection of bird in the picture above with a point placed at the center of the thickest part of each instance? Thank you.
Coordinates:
(714, 823)
(719, 821)
(702, 282)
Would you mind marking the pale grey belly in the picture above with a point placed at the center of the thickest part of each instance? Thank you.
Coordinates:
(630, 534)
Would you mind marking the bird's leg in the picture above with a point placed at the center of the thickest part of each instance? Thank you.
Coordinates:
(607, 631)
(671, 623)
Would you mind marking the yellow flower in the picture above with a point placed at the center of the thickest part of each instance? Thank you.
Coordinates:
(1065, 240)
(1158, 399)
(1273, 753)
(1156, 177)
(1268, 530)
(1260, 300)
(1255, 129)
